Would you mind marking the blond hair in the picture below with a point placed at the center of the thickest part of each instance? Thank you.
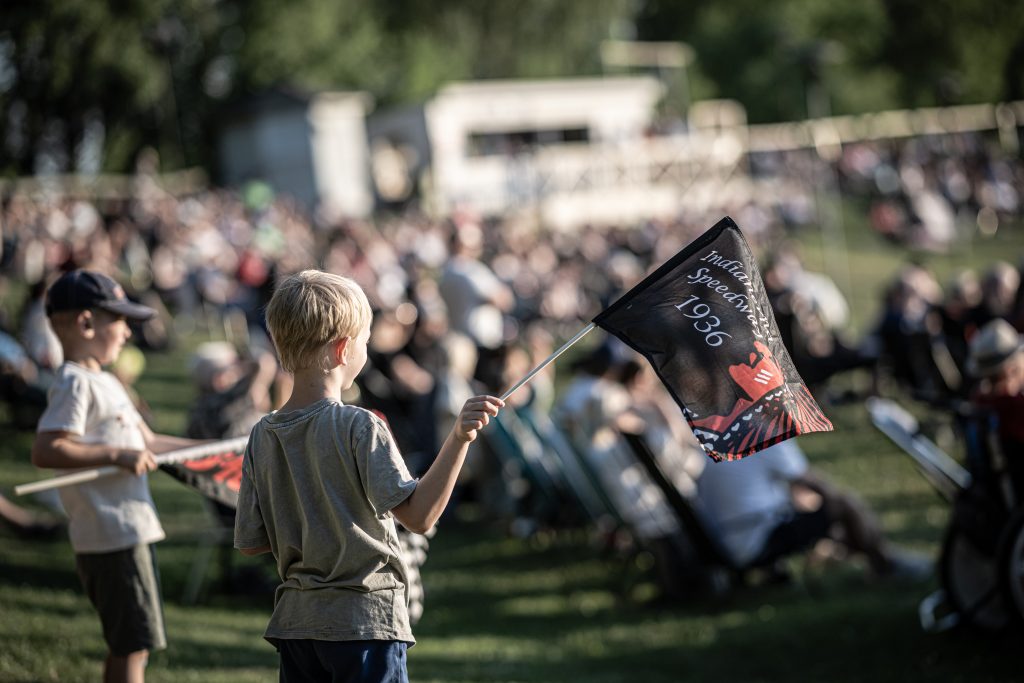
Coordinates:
(311, 309)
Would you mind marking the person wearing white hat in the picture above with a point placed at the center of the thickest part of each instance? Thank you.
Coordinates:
(995, 357)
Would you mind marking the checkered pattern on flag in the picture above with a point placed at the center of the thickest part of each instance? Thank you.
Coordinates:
(704, 322)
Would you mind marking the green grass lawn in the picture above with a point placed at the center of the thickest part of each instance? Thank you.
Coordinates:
(553, 607)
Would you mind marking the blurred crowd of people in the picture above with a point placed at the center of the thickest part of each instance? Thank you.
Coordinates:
(214, 256)
(924, 192)
(925, 329)
(466, 304)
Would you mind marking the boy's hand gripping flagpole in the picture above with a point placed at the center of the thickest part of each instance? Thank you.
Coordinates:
(170, 457)
(565, 347)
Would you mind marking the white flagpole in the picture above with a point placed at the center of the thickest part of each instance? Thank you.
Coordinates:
(170, 457)
(579, 335)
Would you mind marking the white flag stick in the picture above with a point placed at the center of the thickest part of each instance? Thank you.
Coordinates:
(170, 457)
(565, 347)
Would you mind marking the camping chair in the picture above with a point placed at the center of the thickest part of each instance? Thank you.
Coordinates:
(945, 474)
(982, 559)
(612, 507)
(578, 477)
(710, 550)
(531, 493)
(981, 563)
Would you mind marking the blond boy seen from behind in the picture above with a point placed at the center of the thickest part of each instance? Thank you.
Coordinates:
(322, 485)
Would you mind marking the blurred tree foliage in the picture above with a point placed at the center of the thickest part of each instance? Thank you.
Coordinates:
(867, 54)
(126, 74)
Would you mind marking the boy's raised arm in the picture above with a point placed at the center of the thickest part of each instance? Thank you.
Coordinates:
(421, 510)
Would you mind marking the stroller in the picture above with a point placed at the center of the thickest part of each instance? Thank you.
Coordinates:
(981, 564)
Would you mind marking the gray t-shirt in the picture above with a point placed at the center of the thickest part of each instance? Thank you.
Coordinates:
(318, 485)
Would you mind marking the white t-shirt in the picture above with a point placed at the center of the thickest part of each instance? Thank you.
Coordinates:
(115, 512)
(746, 499)
(467, 288)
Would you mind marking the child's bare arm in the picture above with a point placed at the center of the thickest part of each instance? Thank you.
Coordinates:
(162, 443)
(424, 506)
(63, 449)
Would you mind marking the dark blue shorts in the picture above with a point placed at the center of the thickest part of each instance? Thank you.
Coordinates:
(345, 661)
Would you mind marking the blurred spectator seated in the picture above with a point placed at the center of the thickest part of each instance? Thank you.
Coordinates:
(810, 312)
(530, 474)
(41, 344)
(27, 524)
(654, 415)
(640, 503)
(538, 491)
(772, 504)
(483, 481)
(963, 295)
(476, 299)
(455, 383)
(20, 389)
(232, 393)
(576, 476)
(996, 360)
(999, 287)
(597, 369)
(979, 577)
(912, 349)
(711, 564)
(395, 383)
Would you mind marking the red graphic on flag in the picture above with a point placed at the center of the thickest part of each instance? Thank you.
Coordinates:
(773, 412)
(218, 477)
(224, 468)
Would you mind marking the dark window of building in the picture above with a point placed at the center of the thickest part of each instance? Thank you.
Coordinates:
(518, 141)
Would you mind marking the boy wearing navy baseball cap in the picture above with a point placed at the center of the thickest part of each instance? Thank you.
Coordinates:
(90, 421)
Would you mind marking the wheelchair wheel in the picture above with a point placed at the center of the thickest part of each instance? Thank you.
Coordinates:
(1012, 564)
(971, 578)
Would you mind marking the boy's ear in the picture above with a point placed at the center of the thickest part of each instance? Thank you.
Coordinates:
(86, 324)
(340, 350)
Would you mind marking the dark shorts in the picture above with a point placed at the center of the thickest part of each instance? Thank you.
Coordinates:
(794, 535)
(345, 661)
(124, 587)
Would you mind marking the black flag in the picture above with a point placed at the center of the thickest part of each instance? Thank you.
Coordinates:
(704, 322)
(218, 476)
